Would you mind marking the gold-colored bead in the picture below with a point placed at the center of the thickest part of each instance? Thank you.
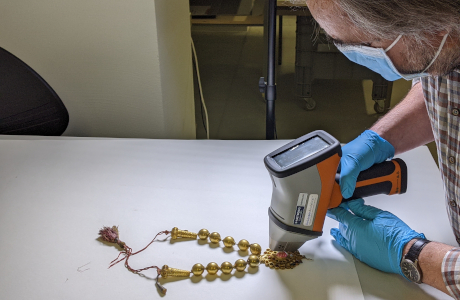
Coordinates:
(176, 232)
(203, 234)
(228, 242)
(212, 268)
(226, 267)
(256, 249)
(240, 265)
(214, 237)
(253, 260)
(197, 269)
(243, 245)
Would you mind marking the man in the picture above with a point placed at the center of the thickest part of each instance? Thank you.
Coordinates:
(411, 39)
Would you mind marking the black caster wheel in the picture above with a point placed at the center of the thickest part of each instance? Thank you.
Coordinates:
(378, 109)
(310, 104)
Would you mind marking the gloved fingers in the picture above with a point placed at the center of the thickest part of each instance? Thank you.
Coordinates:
(349, 171)
(344, 205)
(341, 215)
(340, 239)
(364, 211)
(382, 149)
(343, 229)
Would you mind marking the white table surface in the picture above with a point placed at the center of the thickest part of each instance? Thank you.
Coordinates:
(56, 193)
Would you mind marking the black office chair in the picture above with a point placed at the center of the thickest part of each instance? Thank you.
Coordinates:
(28, 105)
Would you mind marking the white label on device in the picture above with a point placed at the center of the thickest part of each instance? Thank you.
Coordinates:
(300, 209)
(310, 211)
(302, 199)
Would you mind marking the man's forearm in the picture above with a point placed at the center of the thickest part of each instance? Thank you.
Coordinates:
(407, 125)
(430, 262)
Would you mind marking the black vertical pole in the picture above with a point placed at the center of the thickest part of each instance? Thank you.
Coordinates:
(270, 90)
(280, 39)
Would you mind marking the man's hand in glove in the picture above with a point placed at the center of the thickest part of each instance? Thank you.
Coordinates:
(360, 154)
(373, 236)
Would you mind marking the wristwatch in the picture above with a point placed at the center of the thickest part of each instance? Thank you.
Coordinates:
(409, 263)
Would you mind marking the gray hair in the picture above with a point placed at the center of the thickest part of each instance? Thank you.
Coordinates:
(387, 19)
(417, 20)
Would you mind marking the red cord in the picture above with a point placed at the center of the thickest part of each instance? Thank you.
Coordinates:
(128, 252)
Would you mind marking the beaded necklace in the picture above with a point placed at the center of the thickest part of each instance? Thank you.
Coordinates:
(273, 259)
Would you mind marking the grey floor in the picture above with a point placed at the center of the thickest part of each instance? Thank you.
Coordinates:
(231, 60)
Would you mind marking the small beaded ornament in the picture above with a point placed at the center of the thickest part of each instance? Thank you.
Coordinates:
(273, 259)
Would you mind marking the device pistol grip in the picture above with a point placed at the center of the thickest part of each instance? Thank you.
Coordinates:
(388, 177)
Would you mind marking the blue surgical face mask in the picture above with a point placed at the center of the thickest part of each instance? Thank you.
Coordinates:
(378, 61)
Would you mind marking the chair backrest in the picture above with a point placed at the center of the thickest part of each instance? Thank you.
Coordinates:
(28, 105)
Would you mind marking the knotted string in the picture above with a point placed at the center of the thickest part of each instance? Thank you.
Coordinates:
(111, 235)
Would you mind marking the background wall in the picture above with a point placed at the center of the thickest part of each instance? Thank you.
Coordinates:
(122, 68)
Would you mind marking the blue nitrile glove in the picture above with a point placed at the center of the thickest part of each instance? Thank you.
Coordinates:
(373, 236)
(360, 154)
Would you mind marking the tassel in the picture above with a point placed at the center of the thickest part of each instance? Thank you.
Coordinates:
(109, 234)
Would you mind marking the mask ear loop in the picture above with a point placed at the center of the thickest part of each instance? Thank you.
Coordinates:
(394, 43)
(437, 53)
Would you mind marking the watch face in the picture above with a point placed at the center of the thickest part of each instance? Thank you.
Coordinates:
(410, 270)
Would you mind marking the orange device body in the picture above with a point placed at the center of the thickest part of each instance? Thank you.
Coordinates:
(389, 177)
(305, 186)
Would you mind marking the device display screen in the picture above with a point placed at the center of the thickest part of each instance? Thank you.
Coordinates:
(300, 151)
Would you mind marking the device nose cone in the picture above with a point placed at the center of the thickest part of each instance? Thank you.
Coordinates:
(277, 245)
